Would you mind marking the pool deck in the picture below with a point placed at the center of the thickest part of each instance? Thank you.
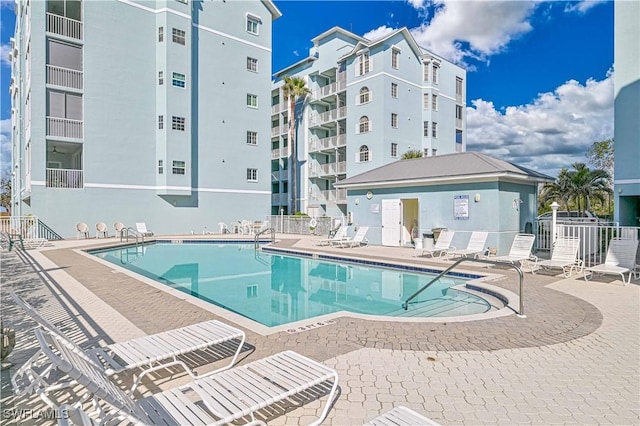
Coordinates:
(575, 358)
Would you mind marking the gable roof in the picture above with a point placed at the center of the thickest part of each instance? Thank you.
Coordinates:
(449, 168)
(339, 30)
(366, 44)
(275, 12)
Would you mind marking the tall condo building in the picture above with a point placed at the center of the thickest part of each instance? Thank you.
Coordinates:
(141, 111)
(370, 102)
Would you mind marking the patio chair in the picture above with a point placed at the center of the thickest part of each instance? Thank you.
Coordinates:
(219, 399)
(223, 228)
(141, 227)
(564, 256)
(358, 239)
(102, 230)
(475, 247)
(401, 416)
(442, 245)
(341, 234)
(520, 250)
(621, 258)
(83, 230)
(120, 229)
(149, 353)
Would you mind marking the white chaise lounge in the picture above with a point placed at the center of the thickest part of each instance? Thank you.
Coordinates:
(520, 250)
(141, 227)
(358, 239)
(401, 416)
(442, 245)
(564, 256)
(474, 248)
(621, 259)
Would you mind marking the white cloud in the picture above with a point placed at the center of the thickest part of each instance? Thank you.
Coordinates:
(4, 54)
(553, 131)
(378, 33)
(583, 6)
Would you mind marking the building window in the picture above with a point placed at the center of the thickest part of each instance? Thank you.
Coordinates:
(160, 167)
(434, 129)
(425, 129)
(179, 168)
(425, 152)
(434, 102)
(252, 25)
(364, 154)
(458, 86)
(178, 80)
(395, 58)
(252, 175)
(252, 100)
(434, 152)
(425, 71)
(435, 73)
(365, 95)
(364, 125)
(394, 90)
(179, 36)
(160, 78)
(161, 122)
(160, 34)
(394, 149)
(425, 101)
(363, 63)
(252, 64)
(459, 112)
(252, 138)
(394, 120)
(177, 123)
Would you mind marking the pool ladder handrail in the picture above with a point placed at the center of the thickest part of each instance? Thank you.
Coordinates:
(256, 239)
(135, 233)
(520, 312)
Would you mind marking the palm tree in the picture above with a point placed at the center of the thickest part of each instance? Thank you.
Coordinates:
(5, 194)
(295, 88)
(412, 153)
(559, 190)
(588, 184)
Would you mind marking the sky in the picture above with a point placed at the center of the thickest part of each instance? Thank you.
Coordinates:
(539, 73)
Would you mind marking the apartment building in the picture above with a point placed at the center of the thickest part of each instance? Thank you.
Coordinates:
(124, 110)
(370, 102)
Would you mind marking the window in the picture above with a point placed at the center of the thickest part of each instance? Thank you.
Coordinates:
(394, 120)
(365, 95)
(425, 129)
(161, 122)
(394, 90)
(458, 86)
(177, 123)
(252, 64)
(434, 74)
(434, 102)
(364, 154)
(363, 63)
(394, 149)
(434, 129)
(160, 78)
(178, 80)
(395, 58)
(64, 105)
(425, 101)
(252, 25)
(252, 175)
(252, 100)
(425, 152)
(434, 152)
(425, 71)
(179, 36)
(179, 167)
(160, 167)
(364, 126)
(459, 112)
(60, 54)
(252, 138)
(160, 34)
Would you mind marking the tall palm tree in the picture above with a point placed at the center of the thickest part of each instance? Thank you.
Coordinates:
(558, 190)
(295, 88)
(588, 184)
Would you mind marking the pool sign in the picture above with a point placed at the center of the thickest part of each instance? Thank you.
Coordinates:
(310, 326)
(461, 207)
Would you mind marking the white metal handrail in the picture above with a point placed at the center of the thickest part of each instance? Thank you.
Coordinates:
(65, 178)
(64, 127)
(64, 77)
(64, 26)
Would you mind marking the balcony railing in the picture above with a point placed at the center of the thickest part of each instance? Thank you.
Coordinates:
(64, 77)
(316, 119)
(65, 178)
(63, 26)
(280, 199)
(328, 169)
(331, 142)
(64, 127)
(278, 107)
(279, 152)
(338, 196)
(279, 175)
(330, 89)
(278, 130)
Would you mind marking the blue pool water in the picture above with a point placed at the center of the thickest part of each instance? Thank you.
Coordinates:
(275, 289)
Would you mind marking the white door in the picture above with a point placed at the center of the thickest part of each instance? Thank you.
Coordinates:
(391, 222)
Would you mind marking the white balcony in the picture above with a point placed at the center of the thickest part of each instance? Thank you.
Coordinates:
(65, 178)
(279, 175)
(280, 199)
(278, 130)
(338, 196)
(275, 109)
(279, 153)
(64, 127)
(64, 77)
(329, 89)
(318, 119)
(328, 169)
(63, 26)
(329, 143)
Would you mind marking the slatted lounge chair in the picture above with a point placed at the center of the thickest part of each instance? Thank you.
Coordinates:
(341, 234)
(401, 416)
(102, 230)
(520, 250)
(141, 227)
(442, 245)
(149, 353)
(564, 256)
(219, 399)
(358, 239)
(621, 259)
(475, 247)
(83, 230)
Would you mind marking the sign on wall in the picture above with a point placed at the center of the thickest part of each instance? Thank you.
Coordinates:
(461, 207)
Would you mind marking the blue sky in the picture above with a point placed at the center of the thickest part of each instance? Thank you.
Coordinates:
(539, 81)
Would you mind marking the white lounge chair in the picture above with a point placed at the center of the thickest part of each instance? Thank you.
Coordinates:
(442, 245)
(621, 258)
(141, 227)
(341, 234)
(149, 353)
(564, 256)
(102, 230)
(83, 230)
(475, 247)
(358, 239)
(401, 416)
(219, 399)
(520, 250)
(223, 228)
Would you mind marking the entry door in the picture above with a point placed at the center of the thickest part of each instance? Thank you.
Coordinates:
(391, 222)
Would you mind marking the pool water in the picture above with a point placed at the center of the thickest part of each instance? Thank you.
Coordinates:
(275, 289)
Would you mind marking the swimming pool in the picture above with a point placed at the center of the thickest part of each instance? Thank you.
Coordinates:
(275, 289)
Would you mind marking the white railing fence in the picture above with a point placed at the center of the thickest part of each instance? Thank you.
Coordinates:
(64, 26)
(25, 226)
(65, 178)
(285, 224)
(64, 77)
(64, 127)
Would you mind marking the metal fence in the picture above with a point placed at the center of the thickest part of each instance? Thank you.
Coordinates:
(302, 224)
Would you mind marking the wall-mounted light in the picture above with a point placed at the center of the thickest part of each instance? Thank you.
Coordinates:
(356, 201)
(476, 198)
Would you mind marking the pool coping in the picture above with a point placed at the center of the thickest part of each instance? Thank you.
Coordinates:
(478, 283)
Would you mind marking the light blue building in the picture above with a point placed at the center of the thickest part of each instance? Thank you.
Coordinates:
(132, 111)
(370, 102)
(627, 113)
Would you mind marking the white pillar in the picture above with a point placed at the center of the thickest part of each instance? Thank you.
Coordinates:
(554, 217)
